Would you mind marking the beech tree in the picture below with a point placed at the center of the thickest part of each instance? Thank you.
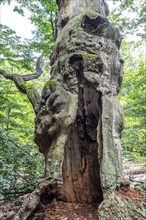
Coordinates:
(79, 118)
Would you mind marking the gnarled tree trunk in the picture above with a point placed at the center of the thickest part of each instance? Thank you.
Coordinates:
(80, 120)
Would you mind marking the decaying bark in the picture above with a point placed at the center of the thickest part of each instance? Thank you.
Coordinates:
(24, 87)
(79, 117)
(79, 124)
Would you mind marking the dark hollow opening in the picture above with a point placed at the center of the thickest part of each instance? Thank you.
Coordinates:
(81, 148)
(76, 63)
(91, 24)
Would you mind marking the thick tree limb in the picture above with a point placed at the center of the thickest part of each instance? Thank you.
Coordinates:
(24, 87)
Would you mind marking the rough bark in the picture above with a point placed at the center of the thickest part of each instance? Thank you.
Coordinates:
(121, 207)
(80, 120)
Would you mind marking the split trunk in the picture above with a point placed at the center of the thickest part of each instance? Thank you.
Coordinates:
(80, 120)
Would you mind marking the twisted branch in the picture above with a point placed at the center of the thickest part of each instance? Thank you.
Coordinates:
(24, 87)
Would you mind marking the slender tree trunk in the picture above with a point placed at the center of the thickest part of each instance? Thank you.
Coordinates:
(80, 120)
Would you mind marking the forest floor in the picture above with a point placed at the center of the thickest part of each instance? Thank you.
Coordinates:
(134, 172)
(74, 211)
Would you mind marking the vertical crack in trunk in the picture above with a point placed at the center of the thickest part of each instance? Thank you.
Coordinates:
(81, 148)
(73, 124)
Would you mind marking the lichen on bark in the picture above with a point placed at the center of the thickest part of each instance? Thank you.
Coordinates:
(79, 118)
(79, 124)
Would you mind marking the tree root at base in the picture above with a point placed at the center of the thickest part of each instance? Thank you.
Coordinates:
(124, 204)
(46, 202)
(45, 186)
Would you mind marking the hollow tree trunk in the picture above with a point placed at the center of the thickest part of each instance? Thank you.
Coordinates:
(80, 120)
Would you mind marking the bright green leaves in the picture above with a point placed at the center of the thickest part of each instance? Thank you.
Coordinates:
(129, 16)
(20, 162)
(133, 99)
(20, 166)
(13, 51)
(44, 14)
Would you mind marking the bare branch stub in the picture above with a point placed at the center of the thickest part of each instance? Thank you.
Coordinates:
(25, 87)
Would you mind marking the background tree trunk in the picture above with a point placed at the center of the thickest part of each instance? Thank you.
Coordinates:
(80, 120)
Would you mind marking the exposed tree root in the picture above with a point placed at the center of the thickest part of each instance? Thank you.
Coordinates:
(45, 203)
(125, 204)
(46, 190)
